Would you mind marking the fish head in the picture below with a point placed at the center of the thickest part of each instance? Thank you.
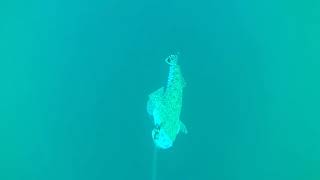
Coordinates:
(160, 138)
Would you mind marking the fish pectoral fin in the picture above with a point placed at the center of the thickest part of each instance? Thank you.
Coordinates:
(154, 99)
(183, 128)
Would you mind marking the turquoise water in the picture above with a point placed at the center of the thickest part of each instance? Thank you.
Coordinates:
(75, 76)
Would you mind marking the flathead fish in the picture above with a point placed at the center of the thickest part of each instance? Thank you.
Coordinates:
(164, 105)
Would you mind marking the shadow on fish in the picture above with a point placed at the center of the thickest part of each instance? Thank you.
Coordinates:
(164, 105)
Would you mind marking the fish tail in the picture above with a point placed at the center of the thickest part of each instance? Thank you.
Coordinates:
(172, 59)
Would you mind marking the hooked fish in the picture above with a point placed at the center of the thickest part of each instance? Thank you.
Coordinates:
(164, 105)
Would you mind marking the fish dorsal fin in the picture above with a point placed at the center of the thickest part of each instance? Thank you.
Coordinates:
(154, 99)
(183, 128)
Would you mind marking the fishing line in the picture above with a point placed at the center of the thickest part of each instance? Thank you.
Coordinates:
(154, 163)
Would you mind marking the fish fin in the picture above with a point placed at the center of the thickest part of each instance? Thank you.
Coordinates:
(154, 98)
(183, 128)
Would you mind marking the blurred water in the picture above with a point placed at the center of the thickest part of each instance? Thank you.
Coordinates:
(75, 77)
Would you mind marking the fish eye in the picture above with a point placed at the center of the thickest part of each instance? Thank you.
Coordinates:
(157, 128)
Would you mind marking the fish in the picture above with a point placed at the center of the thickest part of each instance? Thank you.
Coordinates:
(164, 105)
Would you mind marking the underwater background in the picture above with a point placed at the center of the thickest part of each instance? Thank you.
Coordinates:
(75, 78)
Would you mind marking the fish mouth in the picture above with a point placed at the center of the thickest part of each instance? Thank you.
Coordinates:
(161, 139)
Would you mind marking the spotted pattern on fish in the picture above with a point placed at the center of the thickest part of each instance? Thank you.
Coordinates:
(173, 101)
